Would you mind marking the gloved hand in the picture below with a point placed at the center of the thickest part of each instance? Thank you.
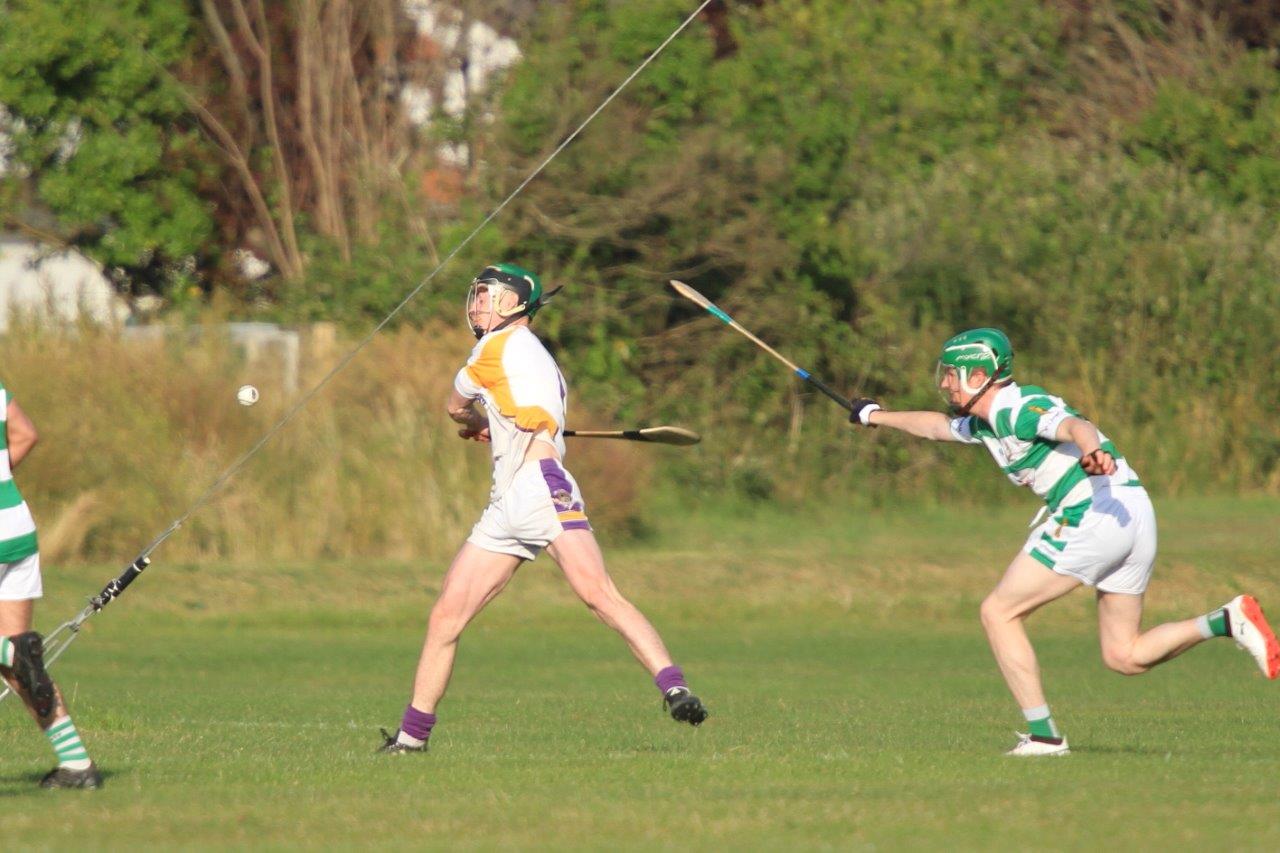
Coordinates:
(860, 414)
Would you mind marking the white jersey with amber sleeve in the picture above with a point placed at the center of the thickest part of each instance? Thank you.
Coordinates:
(523, 393)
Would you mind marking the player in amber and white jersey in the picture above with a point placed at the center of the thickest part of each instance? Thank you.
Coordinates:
(512, 395)
(1098, 527)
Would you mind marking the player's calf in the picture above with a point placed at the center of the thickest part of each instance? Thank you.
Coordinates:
(24, 654)
(1122, 662)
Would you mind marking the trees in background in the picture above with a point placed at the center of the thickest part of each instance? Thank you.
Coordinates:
(302, 103)
(857, 181)
(164, 137)
(854, 181)
(105, 156)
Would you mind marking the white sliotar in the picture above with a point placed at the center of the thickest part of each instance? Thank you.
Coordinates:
(247, 395)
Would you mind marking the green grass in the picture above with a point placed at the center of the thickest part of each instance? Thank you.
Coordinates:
(855, 703)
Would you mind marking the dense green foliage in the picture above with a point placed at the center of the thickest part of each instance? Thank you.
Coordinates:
(238, 705)
(112, 151)
(857, 181)
(853, 181)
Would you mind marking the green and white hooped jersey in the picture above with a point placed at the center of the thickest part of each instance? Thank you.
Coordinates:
(1021, 438)
(17, 527)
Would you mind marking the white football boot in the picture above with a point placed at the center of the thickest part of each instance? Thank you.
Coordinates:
(1027, 747)
(1251, 632)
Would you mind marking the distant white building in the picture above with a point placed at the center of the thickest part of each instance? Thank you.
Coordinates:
(54, 286)
(473, 51)
(6, 144)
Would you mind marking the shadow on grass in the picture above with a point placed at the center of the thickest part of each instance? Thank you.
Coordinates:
(17, 784)
(1118, 750)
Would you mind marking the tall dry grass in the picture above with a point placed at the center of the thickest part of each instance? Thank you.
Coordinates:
(132, 434)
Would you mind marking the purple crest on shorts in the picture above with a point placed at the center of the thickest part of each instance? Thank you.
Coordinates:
(561, 492)
(554, 476)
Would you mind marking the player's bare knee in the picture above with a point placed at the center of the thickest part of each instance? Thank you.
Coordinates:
(993, 613)
(605, 602)
(598, 599)
(446, 623)
(1122, 662)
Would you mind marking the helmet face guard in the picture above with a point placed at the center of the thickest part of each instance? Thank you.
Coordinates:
(985, 350)
(961, 376)
(495, 282)
(480, 318)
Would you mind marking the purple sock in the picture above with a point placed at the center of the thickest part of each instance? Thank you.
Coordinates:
(417, 723)
(670, 677)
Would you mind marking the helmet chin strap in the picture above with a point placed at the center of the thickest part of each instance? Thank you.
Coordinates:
(977, 395)
(526, 310)
(523, 310)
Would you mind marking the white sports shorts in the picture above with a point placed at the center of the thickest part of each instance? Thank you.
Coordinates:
(1112, 548)
(542, 502)
(20, 580)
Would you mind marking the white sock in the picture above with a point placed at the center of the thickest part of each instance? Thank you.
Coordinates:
(409, 740)
(1202, 622)
(1037, 713)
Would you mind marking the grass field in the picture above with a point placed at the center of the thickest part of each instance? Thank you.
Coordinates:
(855, 703)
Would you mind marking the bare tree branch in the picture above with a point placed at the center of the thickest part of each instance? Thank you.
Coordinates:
(230, 59)
(272, 127)
(283, 261)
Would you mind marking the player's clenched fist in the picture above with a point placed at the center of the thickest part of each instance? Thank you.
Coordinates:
(1098, 462)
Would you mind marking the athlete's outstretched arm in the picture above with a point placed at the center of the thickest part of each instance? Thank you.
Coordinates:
(934, 426)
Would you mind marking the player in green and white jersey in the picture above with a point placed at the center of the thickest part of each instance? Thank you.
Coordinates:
(1098, 527)
(21, 649)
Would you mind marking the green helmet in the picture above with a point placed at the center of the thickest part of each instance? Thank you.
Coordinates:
(497, 278)
(988, 350)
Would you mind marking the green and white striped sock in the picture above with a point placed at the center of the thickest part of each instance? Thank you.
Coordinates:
(1216, 623)
(1040, 723)
(6, 651)
(67, 745)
